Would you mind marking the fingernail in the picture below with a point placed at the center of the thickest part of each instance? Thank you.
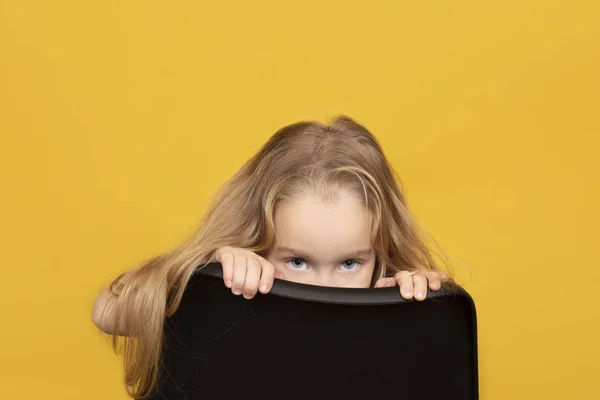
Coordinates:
(263, 288)
(228, 283)
(237, 291)
(419, 294)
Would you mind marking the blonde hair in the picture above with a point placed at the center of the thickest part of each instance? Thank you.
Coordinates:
(339, 157)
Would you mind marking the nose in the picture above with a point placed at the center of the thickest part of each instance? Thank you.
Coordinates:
(324, 278)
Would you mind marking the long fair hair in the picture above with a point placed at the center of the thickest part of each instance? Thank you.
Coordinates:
(339, 157)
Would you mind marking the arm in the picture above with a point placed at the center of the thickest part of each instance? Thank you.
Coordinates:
(103, 313)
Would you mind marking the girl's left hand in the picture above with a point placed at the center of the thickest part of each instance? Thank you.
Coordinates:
(414, 284)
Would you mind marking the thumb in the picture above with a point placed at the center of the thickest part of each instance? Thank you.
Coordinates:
(279, 275)
(385, 282)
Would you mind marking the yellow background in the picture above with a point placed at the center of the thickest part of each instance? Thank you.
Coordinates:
(118, 120)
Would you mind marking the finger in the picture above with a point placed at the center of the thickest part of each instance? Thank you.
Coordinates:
(227, 260)
(443, 276)
(434, 281)
(267, 275)
(420, 286)
(253, 273)
(239, 274)
(405, 282)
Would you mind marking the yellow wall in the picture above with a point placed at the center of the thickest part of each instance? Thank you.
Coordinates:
(118, 119)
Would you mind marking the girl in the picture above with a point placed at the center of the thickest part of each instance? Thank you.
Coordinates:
(318, 204)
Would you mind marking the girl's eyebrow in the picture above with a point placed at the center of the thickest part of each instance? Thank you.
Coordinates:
(284, 249)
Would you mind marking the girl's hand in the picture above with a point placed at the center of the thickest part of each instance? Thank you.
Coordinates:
(414, 284)
(245, 272)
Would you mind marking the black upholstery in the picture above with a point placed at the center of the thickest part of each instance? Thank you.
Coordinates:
(310, 342)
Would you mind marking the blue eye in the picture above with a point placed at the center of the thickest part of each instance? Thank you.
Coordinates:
(349, 265)
(297, 264)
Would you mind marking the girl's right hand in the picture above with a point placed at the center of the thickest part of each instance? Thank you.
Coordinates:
(245, 272)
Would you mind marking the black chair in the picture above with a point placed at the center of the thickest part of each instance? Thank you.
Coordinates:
(311, 342)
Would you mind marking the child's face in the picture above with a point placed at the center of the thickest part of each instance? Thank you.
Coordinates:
(325, 244)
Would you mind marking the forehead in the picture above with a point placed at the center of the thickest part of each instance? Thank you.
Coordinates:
(325, 229)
